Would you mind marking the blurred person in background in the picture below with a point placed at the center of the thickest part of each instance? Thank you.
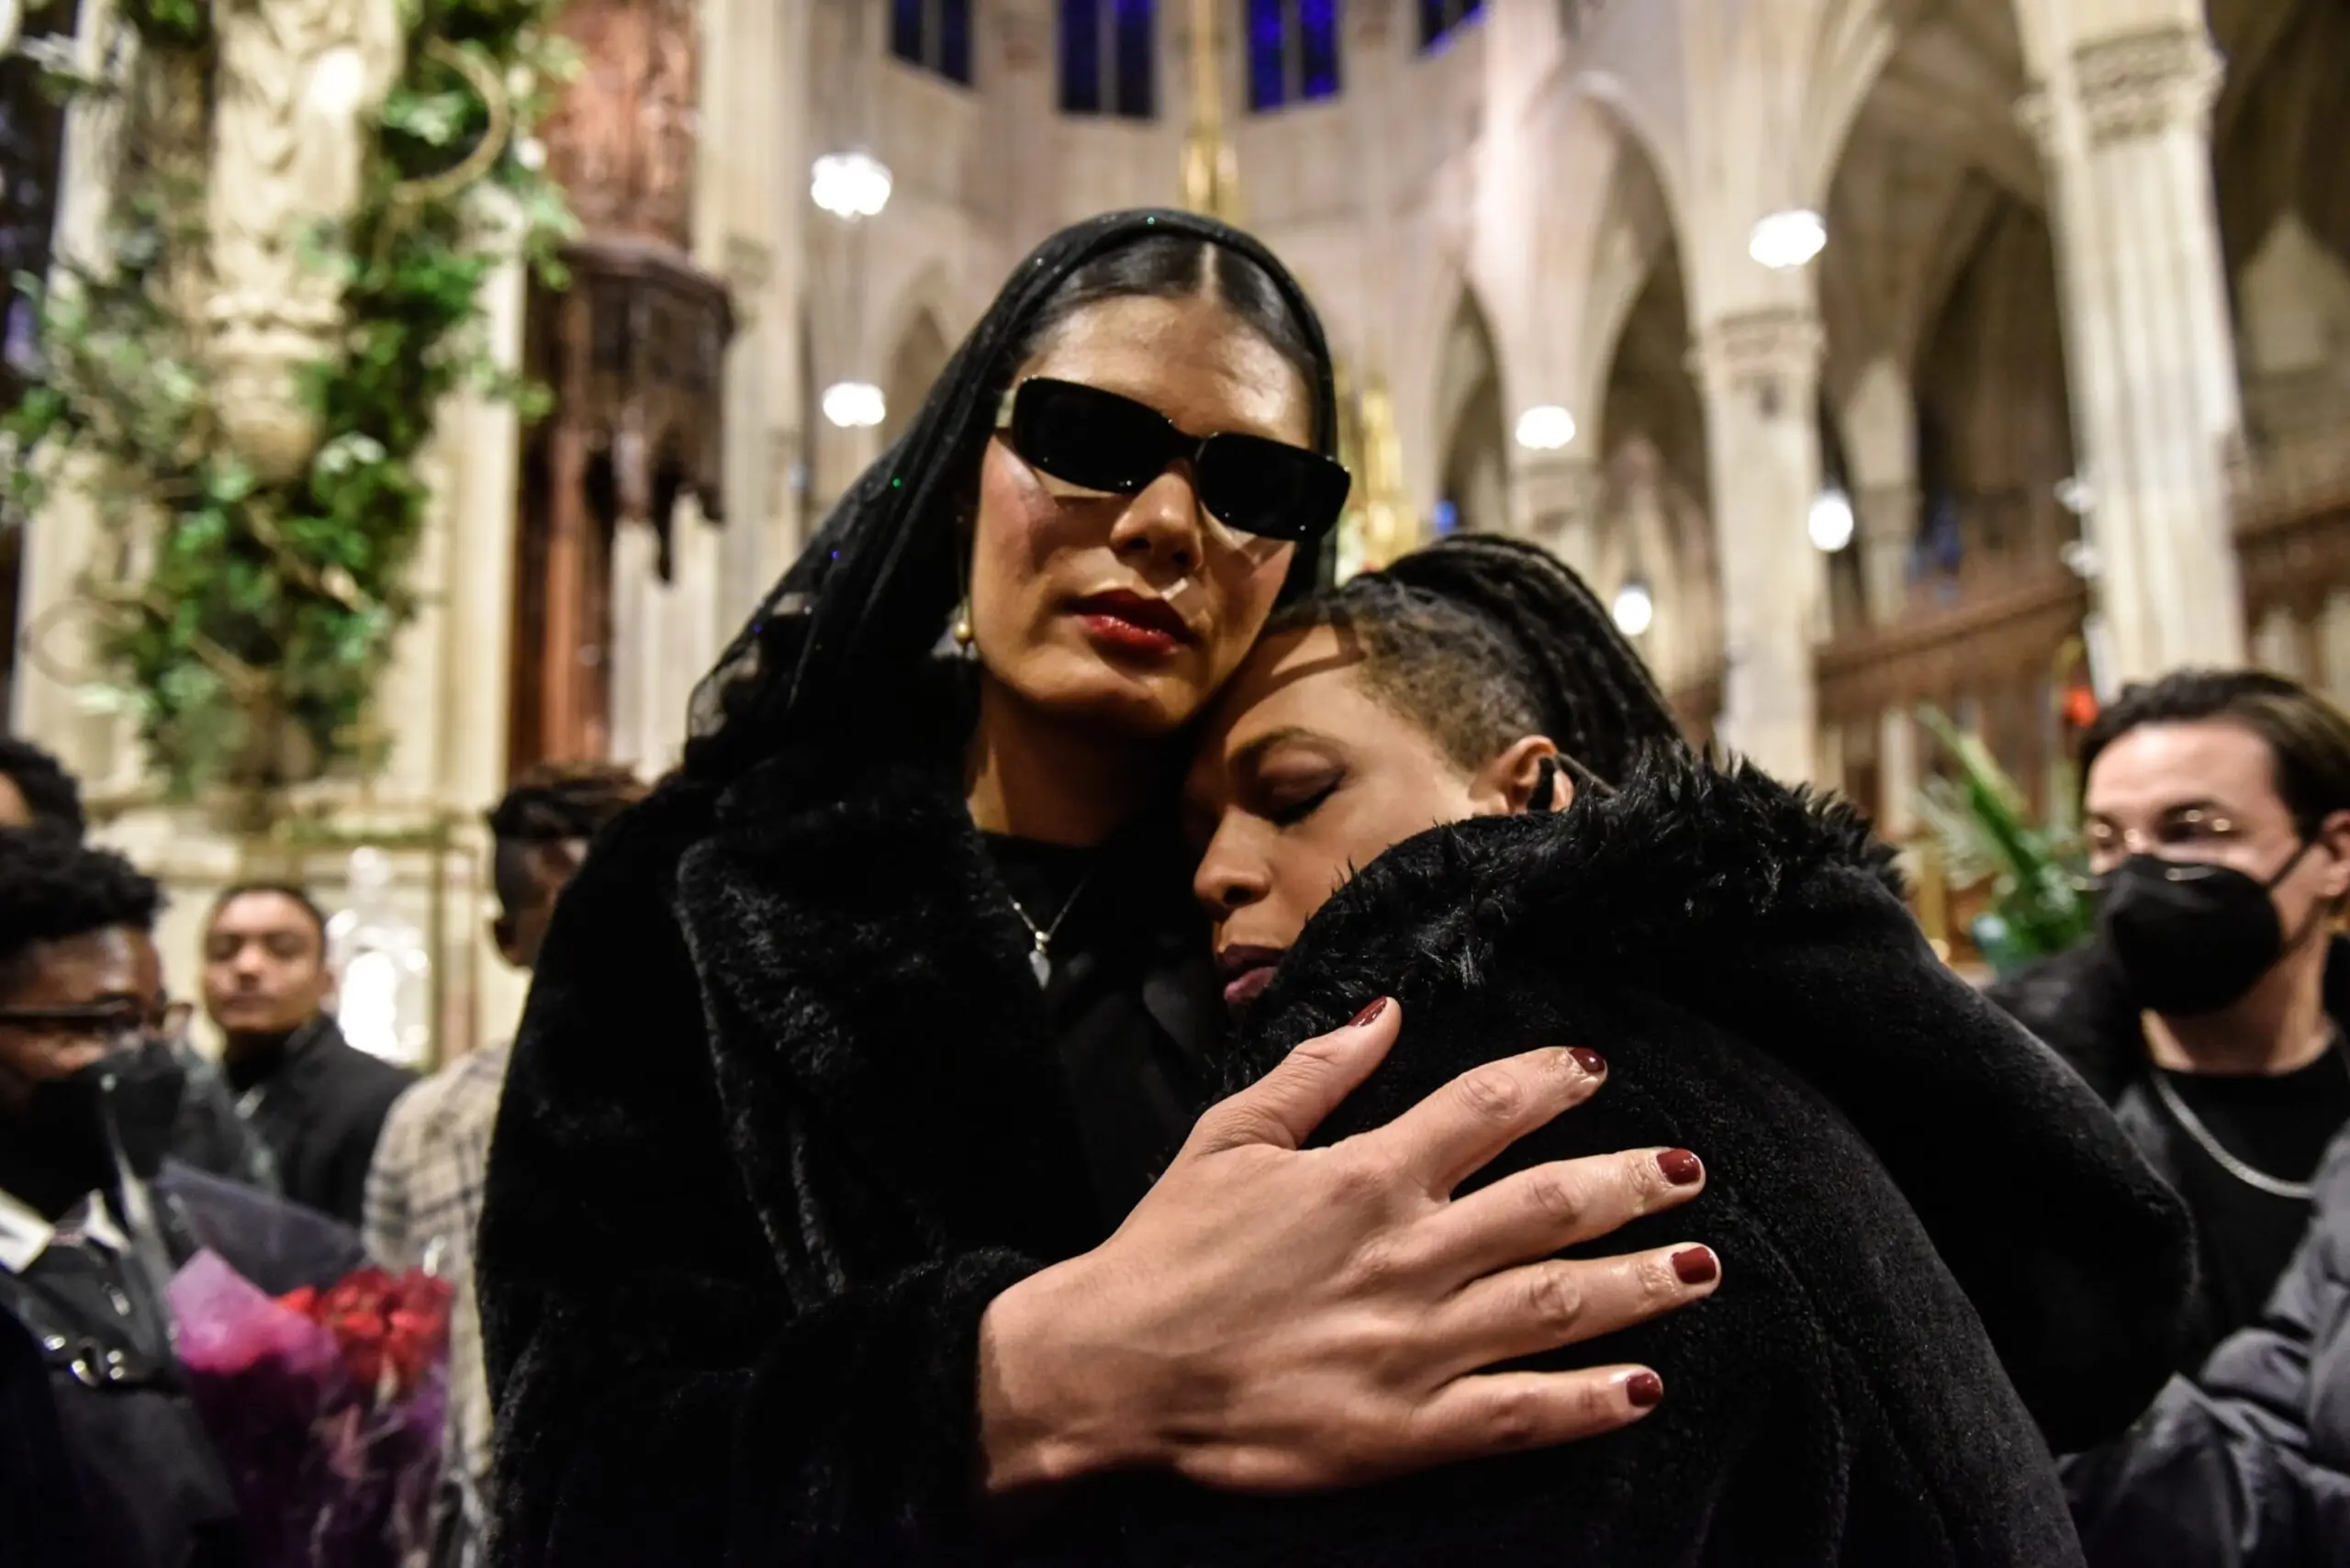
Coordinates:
(2208, 1011)
(424, 1194)
(318, 1103)
(95, 1216)
(35, 790)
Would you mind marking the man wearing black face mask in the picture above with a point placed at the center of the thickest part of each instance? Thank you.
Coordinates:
(94, 1219)
(2211, 1010)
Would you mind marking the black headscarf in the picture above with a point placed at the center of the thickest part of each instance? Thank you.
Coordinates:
(866, 600)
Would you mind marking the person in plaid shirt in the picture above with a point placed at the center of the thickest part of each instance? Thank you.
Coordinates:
(424, 1189)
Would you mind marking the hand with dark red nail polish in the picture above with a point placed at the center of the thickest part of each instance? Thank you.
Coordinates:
(1241, 1270)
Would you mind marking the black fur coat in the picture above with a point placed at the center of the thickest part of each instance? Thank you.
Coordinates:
(783, 1118)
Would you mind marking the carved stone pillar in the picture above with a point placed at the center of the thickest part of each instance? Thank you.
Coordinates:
(634, 350)
(1558, 498)
(1761, 372)
(2124, 121)
(1888, 518)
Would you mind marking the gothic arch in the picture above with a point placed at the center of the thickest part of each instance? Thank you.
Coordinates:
(1472, 473)
(921, 353)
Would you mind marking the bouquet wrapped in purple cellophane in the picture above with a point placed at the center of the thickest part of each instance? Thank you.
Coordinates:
(327, 1408)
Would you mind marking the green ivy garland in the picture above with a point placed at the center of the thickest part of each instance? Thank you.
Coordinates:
(247, 624)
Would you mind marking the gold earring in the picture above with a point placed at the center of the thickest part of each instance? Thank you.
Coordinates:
(964, 635)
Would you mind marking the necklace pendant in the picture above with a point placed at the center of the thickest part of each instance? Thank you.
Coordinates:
(1040, 963)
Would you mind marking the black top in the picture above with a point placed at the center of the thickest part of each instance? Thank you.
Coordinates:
(1135, 1086)
(2279, 1125)
(320, 1102)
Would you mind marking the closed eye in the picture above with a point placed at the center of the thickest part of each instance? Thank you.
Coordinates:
(1291, 815)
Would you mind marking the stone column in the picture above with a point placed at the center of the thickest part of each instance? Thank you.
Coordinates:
(1761, 372)
(2124, 121)
(1558, 504)
(1886, 515)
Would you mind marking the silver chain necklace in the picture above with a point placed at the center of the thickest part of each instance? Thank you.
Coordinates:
(1040, 958)
(2192, 1124)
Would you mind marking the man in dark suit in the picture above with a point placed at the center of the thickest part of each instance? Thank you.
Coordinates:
(318, 1102)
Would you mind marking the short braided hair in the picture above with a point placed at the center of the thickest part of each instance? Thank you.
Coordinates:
(1482, 640)
(553, 802)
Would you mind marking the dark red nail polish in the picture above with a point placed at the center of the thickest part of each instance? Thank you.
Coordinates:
(1644, 1390)
(1591, 1062)
(1696, 1266)
(1681, 1167)
(1369, 1015)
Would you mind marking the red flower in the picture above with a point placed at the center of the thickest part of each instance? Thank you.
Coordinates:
(381, 1325)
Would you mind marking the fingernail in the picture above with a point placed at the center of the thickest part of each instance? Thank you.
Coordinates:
(1696, 1266)
(1680, 1166)
(1591, 1062)
(1369, 1015)
(1643, 1389)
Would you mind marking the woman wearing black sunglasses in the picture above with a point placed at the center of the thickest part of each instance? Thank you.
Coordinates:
(817, 1227)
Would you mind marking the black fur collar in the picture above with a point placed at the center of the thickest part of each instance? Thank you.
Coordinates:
(1685, 854)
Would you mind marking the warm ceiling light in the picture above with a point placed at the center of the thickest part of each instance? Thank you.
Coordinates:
(1831, 519)
(1546, 427)
(1633, 610)
(1788, 238)
(850, 184)
(853, 405)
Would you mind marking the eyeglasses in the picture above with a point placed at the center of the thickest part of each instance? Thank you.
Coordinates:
(1102, 442)
(102, 1021)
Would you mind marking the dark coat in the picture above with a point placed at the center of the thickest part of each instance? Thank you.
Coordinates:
(321, 1112)
(2080, 1003)
(121, 1476)
(783, 1118)
(2247, 1465)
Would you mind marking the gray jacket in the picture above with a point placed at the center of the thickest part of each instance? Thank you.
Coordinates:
(2247, 1465)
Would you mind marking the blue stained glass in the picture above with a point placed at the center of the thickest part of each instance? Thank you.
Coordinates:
(1268, 83)
(1081, 57)
(955, 41)
(1438, 17)
(1317, 20)
(905, 30)
(1136, 97)
(1447, 519)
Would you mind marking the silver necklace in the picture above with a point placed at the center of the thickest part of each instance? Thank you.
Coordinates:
(1040, 958)
(2299, 1192)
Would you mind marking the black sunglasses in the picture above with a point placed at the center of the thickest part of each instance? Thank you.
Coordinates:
(1103, 441)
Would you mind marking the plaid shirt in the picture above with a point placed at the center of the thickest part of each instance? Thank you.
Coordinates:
(424, 1200)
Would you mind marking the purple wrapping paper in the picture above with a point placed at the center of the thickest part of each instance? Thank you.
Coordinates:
(323, 1480)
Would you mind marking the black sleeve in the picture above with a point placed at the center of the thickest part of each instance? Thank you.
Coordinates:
(674, 1384)
(354, 1148)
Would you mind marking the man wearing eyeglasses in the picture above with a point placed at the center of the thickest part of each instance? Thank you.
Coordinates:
(95, 1218)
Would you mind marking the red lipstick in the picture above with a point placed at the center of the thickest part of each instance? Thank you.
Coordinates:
(1133, 624)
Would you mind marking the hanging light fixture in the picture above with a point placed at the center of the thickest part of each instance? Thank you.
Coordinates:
(850, 185)
(1788, 240)
(1633, 610)
(1546, 427)
(853, 405)
(1831, 523)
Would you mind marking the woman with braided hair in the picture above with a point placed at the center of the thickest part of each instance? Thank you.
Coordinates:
(1938, 1255)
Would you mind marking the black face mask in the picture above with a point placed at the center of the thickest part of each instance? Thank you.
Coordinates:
(2191, 938)
(65, 1139)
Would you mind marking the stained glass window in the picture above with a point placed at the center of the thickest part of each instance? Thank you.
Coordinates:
(1293, 52)
(935, 35)
(1438, 17)
(1109, 58)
